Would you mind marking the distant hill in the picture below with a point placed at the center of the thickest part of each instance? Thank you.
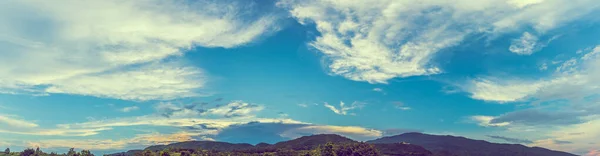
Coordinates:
(461, 146)
(311, 142)
(262, 144)
(128, 153)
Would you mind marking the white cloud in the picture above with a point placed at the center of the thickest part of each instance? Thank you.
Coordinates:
(573, 80)
(404, 108)
(524, 3)
(14, 125)
(12, 122)
(377, 89)
(490, 90)
(103, 48)
(568, 120)
(375, 41)
(343, 110)
(235, 108)
(582, 137)
(232, 109)
(486, 121)
(526, 45)
(129, 109)
(145, 83)
(543, 67)
(168, 114)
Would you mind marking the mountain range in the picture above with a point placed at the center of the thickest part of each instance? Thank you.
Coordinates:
(407, 144)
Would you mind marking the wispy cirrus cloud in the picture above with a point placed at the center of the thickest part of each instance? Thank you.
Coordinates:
(115, 49)
(562, 104)
(486, 121)
(232, 109)
(343, 109)
(14, 122)
(527, 44)
(379, 40)
(13, 125)
(572, 80)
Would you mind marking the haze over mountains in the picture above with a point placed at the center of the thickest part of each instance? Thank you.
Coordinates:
(413, 144)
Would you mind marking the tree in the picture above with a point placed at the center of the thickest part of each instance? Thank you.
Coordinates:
(7, 151)
(326, 150)
(286, 152)
(28, 152)
(37, 151)
(71, 152)
(185, 153)
(356, 149)
(86, 153)
(147, 153)
(164, 153)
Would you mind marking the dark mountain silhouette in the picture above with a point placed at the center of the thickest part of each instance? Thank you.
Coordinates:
(460, 146)
(311, 142)
(262, 144)
(402, 149)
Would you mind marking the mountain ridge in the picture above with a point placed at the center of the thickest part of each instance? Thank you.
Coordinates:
(458, 145)
(414, 144)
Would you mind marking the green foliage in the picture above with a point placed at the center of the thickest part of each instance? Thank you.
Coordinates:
(286, 152)
(326, 150)
(86, 153)
(185, 153)
(146, 153)
(38, 152)
(329, 149)
(72, 152)
(27, 152)
(356, 149)
(165, 153)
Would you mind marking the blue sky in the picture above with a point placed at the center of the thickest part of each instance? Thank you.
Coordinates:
(111, 75)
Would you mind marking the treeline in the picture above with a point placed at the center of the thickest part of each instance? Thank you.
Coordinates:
(38, 152)
(329, 149)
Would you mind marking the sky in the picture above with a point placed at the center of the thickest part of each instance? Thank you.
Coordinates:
(110, 75)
